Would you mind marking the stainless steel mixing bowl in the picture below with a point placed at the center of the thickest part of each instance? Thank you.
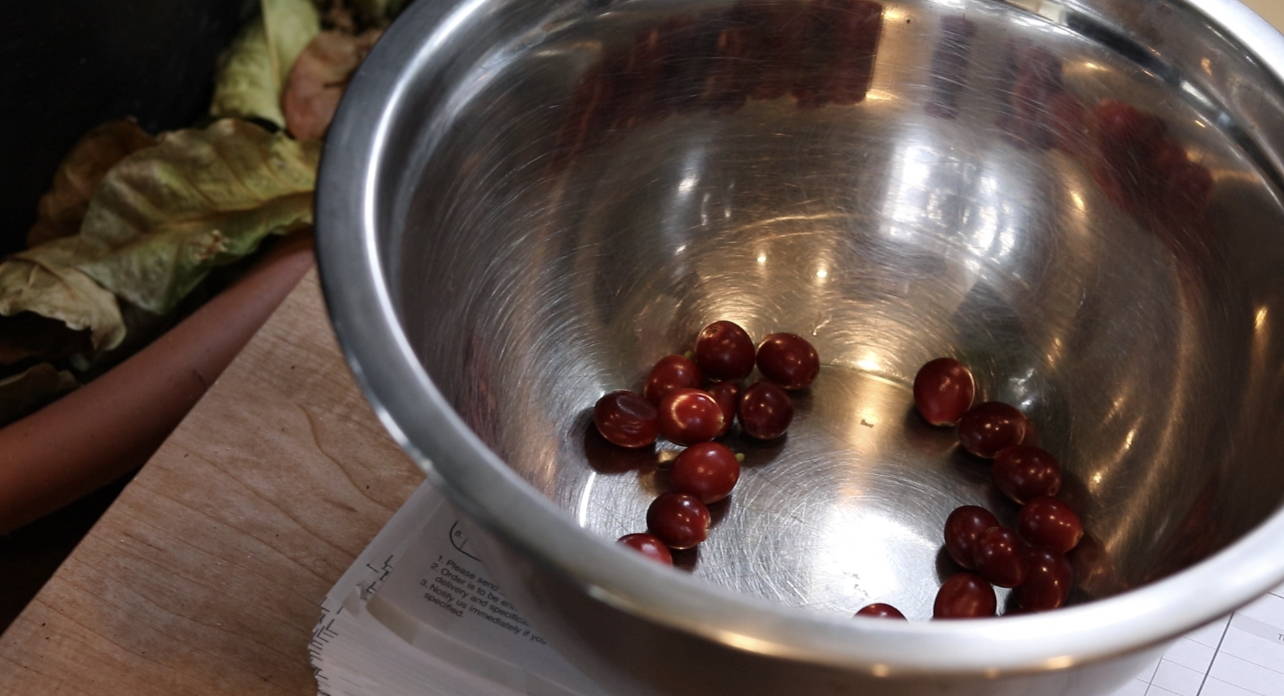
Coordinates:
(524, 203)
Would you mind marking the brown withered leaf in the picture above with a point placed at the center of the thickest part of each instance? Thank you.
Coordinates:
(379, 13)
(338, 16)
(316, 83)
(60, 210)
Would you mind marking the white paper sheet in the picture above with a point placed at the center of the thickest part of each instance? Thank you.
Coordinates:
(417, 614)
(1238, 655)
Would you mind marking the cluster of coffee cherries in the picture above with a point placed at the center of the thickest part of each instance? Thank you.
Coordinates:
(1031, 559)
(691, 400)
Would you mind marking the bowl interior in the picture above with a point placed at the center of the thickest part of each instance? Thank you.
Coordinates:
(1093, 227)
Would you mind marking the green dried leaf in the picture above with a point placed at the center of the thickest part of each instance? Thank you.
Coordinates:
(44, 280)
(27, 391)
(253, 69)
(61, 209)
(164, 216)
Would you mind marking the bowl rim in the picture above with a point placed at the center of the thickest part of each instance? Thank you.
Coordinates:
(423, 422)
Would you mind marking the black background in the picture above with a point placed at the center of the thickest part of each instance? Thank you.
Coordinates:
(68, 65)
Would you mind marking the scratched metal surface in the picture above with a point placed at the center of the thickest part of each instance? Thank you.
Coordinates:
(906, 181)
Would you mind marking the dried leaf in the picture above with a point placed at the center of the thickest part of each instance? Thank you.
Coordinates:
(253, 69)
(164, 216)
(317, 81)
(338, 16)
(44, 280)
(61, 209)
(27, 391)
(26, 335)
(379, 12)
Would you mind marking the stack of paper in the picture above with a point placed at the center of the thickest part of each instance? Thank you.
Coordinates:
(418, 615)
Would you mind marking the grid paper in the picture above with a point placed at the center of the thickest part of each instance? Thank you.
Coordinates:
(1238, 655)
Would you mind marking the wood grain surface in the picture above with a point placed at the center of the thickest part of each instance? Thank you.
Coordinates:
(1270, 10)
(206, 575)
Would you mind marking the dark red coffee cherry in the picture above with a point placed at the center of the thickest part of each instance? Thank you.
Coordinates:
(943, 391)
(724, 351)
(1050, 524)
(788, 360)
(990, 427)
(999, 556)
(1125, 129)
(707, 470)
(626, 419)
(964, 596)
(881, 611)
(680, 520)
(1188, 186)
(727, 394)
(1048, 581)
(765, 411)
(1167, 157)
(648, 545)
(962, 529)
(688, 416)
(672, 372)
(1025, 472)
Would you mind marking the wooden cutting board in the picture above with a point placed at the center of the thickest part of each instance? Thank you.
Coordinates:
(205, 576)
(1271, 10)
